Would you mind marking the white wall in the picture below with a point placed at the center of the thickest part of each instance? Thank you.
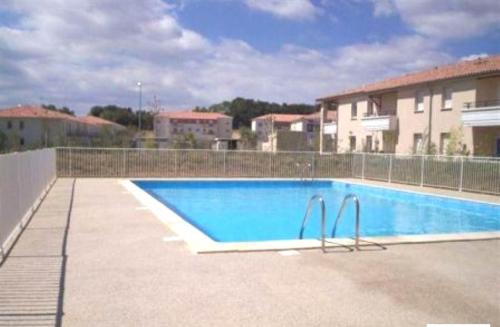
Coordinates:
(24, 179)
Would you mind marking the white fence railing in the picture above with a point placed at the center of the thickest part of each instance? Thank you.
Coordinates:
(473, 174)
(458, 173)
(24, 180)
(102, 162)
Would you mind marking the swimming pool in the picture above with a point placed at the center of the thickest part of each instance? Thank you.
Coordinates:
(271, 210)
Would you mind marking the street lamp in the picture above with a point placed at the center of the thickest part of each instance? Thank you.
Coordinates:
(139, 84)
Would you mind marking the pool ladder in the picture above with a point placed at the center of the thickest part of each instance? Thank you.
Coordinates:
(321, 201)
(305, 168)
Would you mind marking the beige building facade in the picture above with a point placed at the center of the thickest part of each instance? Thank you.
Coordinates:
(453, 109)
(204, 126)
(27, 126)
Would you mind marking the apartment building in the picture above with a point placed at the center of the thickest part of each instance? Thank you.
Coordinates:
(204, 126)
(33, 126)
(264, 126)
(422, 112)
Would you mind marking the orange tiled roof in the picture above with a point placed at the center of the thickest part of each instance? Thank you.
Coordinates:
(28, 111)
(280, 118)
(489, 64)
(192, 115)
(93, 120)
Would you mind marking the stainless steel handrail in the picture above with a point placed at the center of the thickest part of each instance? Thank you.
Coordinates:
(339, 216)
(303, 171)
(323, 218)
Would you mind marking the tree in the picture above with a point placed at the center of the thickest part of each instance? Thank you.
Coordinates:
(125, 115)
(244, 110)
(3, 142)
(455, 144)
(248, 138)
(64, 110)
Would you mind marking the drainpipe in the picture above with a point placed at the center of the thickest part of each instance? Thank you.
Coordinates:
(429, 141)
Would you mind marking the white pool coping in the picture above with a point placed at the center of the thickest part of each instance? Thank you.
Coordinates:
(199, 242)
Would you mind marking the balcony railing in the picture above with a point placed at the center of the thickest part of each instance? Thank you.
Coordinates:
(481, 113)
(481, 104)
(374, 122)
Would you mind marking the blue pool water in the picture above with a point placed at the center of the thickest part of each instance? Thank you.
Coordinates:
(239, 211)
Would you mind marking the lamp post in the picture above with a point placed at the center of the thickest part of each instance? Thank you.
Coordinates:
(139, 84)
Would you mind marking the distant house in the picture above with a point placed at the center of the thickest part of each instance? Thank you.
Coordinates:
(204, 126)
(34, 126)
(96, 125)
(310, 123)
(264, 126)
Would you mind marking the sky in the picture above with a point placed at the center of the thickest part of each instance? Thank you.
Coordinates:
(186, 53)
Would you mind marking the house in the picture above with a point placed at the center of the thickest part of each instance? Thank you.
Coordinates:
(203, 126)
(423, 112)
(34, 126)
(310, 124)
(96, 125)
(264, 126)
(290, 132)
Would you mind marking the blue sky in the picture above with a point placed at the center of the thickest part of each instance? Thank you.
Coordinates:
(80, 53)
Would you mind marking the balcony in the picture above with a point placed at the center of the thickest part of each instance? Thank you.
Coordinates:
(330, 128)
(379, 123)
(481, 113)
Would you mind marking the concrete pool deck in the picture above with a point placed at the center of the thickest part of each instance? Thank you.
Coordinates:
(124, 267)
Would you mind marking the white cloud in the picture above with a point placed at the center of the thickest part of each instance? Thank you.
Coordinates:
(289, 9)
(450, 18)
(474, 56)
(79, 55)
(383, 8)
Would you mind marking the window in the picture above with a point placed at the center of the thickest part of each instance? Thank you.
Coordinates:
(447, 103)
(369, 111)
(443, 142)
(354, 110)
(352, 143)
(21, 125)
(368, 143)
(419, 102)
(417, 143)
(9, 124)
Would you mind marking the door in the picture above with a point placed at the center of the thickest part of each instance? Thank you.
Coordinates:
(498, 147)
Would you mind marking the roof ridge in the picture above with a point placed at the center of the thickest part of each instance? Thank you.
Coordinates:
(447, 71)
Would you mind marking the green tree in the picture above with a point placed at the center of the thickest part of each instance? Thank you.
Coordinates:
(64, 110)
(455, 144)
(248, 138)
(244, 110)
(3, 142)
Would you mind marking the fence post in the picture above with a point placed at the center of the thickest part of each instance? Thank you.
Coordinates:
(312, 165)
(363, 156)
(271, 164)
(124, 170)
(461, 174)
(70, 164)
(422, 167)
(175, 163)
(389, 177)
(224, 157)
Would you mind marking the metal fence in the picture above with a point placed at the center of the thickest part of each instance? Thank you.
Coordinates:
(457, 173)
(473, 174)
(24, 179)
(100, 162)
